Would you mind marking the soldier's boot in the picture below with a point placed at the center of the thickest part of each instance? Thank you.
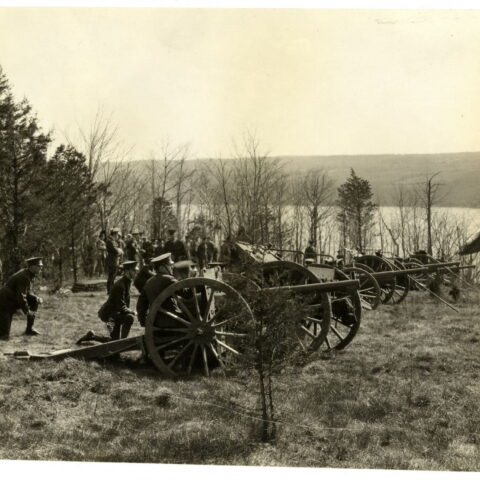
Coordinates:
(90, 335)
(30, 330)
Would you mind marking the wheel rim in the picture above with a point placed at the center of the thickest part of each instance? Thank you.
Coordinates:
(313, 328)
(194, 325)
(369, 291)
(346, 316)
(379, 264)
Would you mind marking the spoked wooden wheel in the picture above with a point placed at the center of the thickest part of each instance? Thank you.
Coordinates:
(346, 315)
(402, 283)
(314, 327)
(196, 324)
(369, 291)
(379, 264)
(422, 278)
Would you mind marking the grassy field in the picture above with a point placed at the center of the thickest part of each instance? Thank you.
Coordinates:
(404, 395)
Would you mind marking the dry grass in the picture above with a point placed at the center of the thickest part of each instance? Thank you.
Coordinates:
(404, 395)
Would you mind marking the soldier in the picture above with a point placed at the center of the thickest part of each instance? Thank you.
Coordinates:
(113, 257)
(131, 248)
(310, 252)
(211, 251)
(145, 273)
(17, 294)
(169, 244)
(226, 251)
(179, 251)
(155, 285)
(202, 253)
(116, 312)
(147, 248)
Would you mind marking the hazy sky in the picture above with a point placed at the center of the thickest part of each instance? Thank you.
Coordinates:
(309, 81)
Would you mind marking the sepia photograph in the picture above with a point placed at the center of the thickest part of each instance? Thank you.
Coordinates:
(239, 237)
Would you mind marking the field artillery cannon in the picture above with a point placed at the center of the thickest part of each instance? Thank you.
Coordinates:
(346, 305)
(197, 324)
(396, 288)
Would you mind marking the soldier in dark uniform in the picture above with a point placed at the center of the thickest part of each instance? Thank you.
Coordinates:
(155, 285)
(202, 253)
(116, 312)
(179, 251)
(226, 251)
(143, 275)
(310, 252)
(131, 248)
(113, 257)
(17, 294)
(169, 246)
(211, 250)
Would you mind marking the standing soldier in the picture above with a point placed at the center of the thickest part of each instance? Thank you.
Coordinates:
(226, 251)
(164, 278)
(310, 252)
(17, 294)
(170, 243)
(113, 257)
(131, 248)
(202, 253)
(211, 251)
(179, 250)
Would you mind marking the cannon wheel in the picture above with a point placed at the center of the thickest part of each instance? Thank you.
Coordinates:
(346, 315)
(422, 278)
(369, 291)
(200, 332)
(402, 283)
(315, 327)
(379, 264)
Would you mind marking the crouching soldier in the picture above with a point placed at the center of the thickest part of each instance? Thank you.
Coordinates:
(115, 312)
(17, 294)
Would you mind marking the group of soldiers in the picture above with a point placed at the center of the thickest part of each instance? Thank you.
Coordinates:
(150, 276)
(150, 272)
(142, 251)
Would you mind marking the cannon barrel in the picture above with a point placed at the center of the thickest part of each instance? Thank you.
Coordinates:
(326, 287)
(396, 273)
(455, 269)
(435, 266)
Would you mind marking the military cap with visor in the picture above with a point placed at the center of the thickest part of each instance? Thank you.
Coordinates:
(183, 264)
(130, 265)
(34, 261)
(165, 258)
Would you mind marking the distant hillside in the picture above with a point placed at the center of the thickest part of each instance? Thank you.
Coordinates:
(459, 172)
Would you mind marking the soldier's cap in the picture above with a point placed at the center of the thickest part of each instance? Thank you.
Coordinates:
(161, 259)
(135, 232)
(34, 261)
(130, 265)
(183, 264)
(171, 231)
(114, 230)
